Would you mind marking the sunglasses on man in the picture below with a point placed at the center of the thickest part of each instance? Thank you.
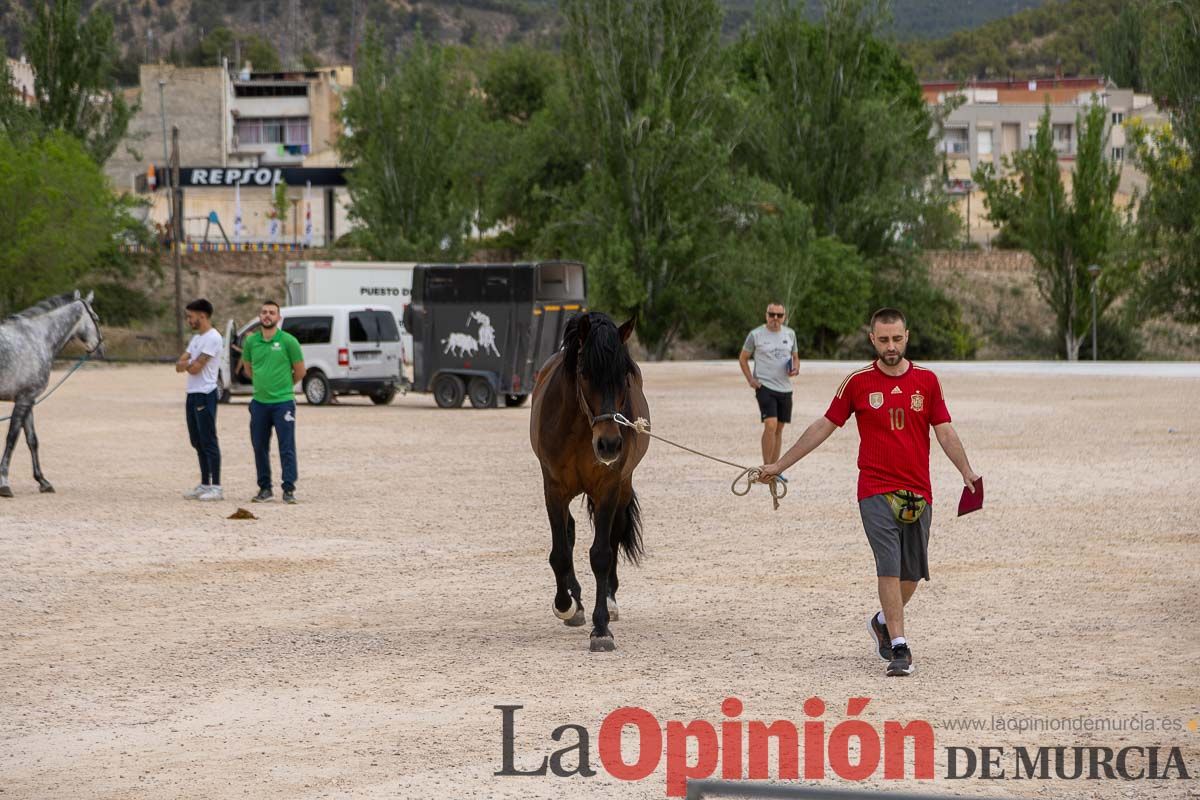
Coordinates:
(775, 314)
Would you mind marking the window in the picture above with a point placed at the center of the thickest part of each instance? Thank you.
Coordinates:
(373, 326)
(955, 141)
(279, 130)
(1118, 154)
(439, 286)
(496, 287)
(1118, 117)
(984, 142)
(1062, 139)
(310, 330)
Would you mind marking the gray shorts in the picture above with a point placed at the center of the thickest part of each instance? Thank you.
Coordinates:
(900, 550)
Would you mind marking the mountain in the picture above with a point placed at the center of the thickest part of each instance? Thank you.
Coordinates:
(320, 31)
(1062, 36)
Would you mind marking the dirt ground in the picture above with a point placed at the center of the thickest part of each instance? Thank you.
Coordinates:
(356, 644)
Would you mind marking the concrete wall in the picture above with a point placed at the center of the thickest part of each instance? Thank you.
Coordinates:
(195, 101)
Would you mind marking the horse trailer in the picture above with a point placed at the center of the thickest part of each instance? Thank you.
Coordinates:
(480, 331)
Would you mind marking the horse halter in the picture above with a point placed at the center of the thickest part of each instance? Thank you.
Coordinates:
(96, 322)
(587, 412)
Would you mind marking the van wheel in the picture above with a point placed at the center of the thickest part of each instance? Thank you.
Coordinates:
(317, 390)
(514, 400)
(383, 396)
(482, 393)
(448, 391)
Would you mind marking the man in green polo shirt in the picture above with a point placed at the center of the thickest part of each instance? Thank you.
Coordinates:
(275, 364)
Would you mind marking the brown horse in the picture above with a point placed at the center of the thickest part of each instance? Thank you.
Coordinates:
(579, 393)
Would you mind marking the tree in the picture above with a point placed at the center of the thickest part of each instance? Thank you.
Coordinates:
(60, 221)
(648, 214)
(1065, 235)
(1167, 155)
(75, 59)
(224, 43)
(841, 123)
(1121, 48)
(526, 155)
(406, 119)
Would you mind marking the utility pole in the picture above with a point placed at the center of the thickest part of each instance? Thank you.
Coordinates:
(177, 235)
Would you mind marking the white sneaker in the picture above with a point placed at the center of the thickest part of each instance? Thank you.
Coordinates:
(194, 494)
(212, 493)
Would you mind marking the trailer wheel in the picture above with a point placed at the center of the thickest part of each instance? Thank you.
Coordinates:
(383, 396)
(481, 392)
(317, 390)
(448, 391)
(514, 400)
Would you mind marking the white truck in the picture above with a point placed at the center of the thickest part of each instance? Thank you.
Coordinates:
(375, 283)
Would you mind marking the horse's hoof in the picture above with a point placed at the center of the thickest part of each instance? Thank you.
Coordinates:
(573, 616)
(6, 491)
(602, 644)
(47, 489)
(614, 613)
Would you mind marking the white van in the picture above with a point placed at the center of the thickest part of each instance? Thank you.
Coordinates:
(347, 350)
(381, 283)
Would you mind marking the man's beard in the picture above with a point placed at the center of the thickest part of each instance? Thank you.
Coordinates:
(893, 360)
(268, 325)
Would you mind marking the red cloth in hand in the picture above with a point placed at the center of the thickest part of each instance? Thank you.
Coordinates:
(971, 501)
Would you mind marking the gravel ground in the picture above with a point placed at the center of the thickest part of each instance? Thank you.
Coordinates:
(356, 644)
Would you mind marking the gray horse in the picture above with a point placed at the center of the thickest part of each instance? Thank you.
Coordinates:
(28, 343)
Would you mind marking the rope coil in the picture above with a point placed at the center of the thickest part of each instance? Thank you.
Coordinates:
(750, 475)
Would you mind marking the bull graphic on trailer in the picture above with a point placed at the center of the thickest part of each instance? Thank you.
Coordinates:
(464, 344)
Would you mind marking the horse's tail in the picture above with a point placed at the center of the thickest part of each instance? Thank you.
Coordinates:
(627, 529)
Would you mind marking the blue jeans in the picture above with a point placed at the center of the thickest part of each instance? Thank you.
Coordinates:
(281, 417)
(202, 430)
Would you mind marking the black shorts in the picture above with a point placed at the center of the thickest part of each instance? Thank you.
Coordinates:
(774, 404)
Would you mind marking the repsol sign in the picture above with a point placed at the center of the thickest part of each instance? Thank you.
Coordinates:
(258, 176)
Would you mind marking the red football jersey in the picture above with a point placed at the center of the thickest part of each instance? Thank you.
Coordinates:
(894, 415)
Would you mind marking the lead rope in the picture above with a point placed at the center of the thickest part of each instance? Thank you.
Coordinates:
(750, 475)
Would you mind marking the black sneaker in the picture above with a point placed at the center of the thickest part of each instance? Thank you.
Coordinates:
(263, 496)
(883, 640)
(901, 664)
(289, 498)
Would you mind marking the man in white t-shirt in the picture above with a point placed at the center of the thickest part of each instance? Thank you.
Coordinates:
(202, 363)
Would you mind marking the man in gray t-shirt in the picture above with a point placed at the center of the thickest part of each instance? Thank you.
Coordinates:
(776, 362)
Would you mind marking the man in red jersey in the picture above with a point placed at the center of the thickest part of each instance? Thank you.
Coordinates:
(895, 403)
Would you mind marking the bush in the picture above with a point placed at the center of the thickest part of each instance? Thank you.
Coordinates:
(117, 304)
(1117, 339)
(936, 326)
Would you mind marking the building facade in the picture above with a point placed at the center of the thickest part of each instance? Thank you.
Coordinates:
(996, 119)
(20, 75)
(251, 130)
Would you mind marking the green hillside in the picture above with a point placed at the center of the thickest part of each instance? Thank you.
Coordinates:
(1062, 35)
(322, 29)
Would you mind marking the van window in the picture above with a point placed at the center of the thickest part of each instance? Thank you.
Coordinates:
(373, 326)
(310, 330)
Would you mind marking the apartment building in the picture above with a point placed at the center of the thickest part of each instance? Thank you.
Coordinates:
(998, 118)
(240, 133)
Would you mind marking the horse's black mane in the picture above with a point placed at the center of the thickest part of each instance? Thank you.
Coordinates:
(605, 360)
(47, 305)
